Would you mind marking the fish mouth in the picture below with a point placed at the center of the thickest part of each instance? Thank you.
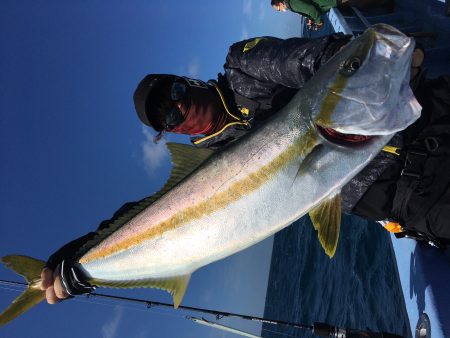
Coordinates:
(347, 140)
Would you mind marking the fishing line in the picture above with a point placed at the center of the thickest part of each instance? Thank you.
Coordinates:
(19, 287)
(318, 329)
(18, 284)
(89, 299)
(12, 286)
(10, 289)
(109, 304)
(217, 314)
(279, 333)
(113, 302)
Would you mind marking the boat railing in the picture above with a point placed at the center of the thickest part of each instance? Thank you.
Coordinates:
(361, 17)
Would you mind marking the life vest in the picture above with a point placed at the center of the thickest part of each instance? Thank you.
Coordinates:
(421, 204)
(421, 194)
(244, 113)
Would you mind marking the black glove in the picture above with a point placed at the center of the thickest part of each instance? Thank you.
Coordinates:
(74, 279)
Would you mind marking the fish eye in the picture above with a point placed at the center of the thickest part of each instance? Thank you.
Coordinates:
(350, 66)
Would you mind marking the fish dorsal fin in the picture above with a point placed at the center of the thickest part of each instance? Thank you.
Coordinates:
(185, 159)
(176, 286)
(326, 219)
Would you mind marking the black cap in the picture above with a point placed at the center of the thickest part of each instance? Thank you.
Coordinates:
(143, 92)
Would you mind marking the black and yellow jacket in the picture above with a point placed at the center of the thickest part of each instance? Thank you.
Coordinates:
(261, 76)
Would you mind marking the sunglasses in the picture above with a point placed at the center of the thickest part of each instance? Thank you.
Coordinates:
(174, 117)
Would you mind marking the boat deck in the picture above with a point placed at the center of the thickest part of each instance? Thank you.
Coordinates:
(424, 273)
(424, 20)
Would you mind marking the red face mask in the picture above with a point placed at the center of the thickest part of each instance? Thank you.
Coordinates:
(202, 110)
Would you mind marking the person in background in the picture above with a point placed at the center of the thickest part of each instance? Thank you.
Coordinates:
(313, 10)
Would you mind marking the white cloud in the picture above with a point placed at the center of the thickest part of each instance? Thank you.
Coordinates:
(244, 34)
(193, 67)
(143, 333)
(215, 333)
(153, 154)
(109, 329)
(262, 10)
(247, 7)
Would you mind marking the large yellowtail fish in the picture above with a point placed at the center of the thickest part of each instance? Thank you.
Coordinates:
(218, 203)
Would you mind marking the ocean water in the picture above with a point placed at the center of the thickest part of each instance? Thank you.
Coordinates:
(358, 288)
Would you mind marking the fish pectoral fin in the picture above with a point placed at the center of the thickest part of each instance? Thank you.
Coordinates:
(311, 158)
(326, 219)
(30, 269)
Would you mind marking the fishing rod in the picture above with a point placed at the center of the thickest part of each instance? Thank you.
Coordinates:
(203, 321)
(151, 303)
(318, 328)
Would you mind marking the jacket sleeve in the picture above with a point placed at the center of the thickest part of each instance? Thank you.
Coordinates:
(70, 250)
(307, 9)
(255, 67)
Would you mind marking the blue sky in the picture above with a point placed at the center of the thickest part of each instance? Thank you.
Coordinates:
(73, 150)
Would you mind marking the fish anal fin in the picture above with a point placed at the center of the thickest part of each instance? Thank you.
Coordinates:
(30, 269)
(326, 219)
(176, 286)
(180, 286)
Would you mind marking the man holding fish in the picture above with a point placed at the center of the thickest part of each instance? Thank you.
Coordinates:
(304, 155)
(219, 112)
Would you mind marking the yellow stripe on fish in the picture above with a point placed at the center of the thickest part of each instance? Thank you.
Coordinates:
(221, 200)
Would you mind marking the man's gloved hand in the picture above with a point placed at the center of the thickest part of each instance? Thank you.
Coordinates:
(67, 280)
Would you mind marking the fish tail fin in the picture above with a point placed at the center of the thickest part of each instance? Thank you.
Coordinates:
(30, 269)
